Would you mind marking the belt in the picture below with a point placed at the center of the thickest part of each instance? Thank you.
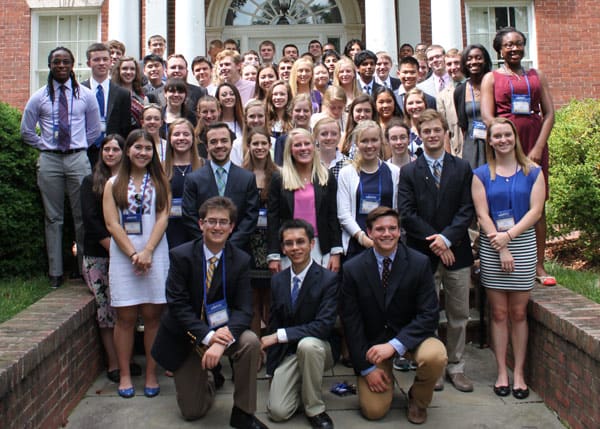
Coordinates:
(63, 152)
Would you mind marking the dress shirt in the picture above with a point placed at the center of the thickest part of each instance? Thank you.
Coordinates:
(207, 255)
(225, 166)
(430, 163)
(364, 86)
(387, 82)
(281, 334)
(84, 118)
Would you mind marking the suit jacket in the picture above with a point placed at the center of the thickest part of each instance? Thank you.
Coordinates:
(407, 310)
(200, 185)
(118, 109)
(281, 208)
(313, 315)
(431, 85)
(445, 105)
(181, 325)
(427, 210)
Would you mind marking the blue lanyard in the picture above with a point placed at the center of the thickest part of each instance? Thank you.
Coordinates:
(473, 101)
(378, 176)
(222, 259)
(70, 115)
(512, 89)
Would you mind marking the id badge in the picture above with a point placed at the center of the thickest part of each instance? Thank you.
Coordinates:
(132, 224)
(369, 202)
(504, 220)
(55, 132)
(521, 104)
(479, 130)
(176, 210)
(217, 314)
(103, 127)
(262, 218)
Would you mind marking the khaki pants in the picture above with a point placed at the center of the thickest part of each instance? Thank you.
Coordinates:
(431, 360)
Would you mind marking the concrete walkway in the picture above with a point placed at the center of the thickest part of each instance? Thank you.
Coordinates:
(102, 408)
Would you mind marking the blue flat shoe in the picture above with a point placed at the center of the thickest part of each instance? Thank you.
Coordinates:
(126, 393)
(151, 392)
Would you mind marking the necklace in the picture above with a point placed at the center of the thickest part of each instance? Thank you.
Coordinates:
(511, 72)
(182, 172)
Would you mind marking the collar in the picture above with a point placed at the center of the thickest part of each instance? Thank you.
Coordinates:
(300, 275)
(214, 167)
(94, 84)
(208, 254)
(380, 258)
(431, 161)
(363, 84)
(338, 157)
(57, 85)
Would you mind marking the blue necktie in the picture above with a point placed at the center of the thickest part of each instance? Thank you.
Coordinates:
(64, 136)
(295, 290)
(221, 180)
(100, 99)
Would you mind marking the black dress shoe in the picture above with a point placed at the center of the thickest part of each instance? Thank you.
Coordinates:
(321, 421)
(56, 281)
(520, 393)
(502, 390)
(241, 420)
(218, 376)
(114, 375)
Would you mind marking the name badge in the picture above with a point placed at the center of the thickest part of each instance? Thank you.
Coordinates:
(369, 202)
(132, 224)
(262, 218)
(176, 210)
(504, 220)
(55, 132)
(521, 104)
(479, 130)
(217, 314)
(103, 126)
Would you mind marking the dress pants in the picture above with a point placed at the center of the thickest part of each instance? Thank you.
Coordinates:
(431, 360)
(456, 284)
(57, 173)
(298, 380)
(195, 386)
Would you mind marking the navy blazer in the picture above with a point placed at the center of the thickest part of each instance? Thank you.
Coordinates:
(200, 185)
(118, 109)
(281, 208)
(313, 315)
(181, 325)
(407, 310)
(426, 210)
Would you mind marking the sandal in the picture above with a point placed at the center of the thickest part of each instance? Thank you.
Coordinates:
(547, 281)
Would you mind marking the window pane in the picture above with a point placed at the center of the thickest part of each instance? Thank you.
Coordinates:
(282, 12)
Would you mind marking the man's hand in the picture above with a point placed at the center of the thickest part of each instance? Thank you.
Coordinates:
(212, 355)
(437, 245)
(378, 381)
(275, 266)
(221, 336)
(447, 258)
(268, 341)
(380, 352)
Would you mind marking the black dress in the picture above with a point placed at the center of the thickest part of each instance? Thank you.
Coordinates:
(176, 231)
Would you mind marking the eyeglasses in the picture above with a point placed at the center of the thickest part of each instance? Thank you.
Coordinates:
(510, 45)
(214, 222)
(291, 243)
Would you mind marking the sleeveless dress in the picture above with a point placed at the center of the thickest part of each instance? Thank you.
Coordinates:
(126, 287)
(528, 126)
(473, 149)
(176, 232)
(509, 193)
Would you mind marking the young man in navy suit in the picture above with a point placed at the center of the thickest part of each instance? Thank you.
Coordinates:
(434, 200)
(302, 344)
(209, 311)
(389, 307)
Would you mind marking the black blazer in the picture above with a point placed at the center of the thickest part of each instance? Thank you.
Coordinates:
(459, 105)
(281, 208)
(427, 210)
(395, 83)
(200, 185)
(93, 220)
(407, 310)
(182, 321)
(118, 109)
(313, 315)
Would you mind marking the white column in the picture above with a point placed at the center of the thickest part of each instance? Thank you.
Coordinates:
(124, 24)
(380, 27)
(409, 21)
(446, 27)
(156, 21)
(190, 30)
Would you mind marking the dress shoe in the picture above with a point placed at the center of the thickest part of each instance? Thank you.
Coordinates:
(502, 390)
(416, 415)
(114, 375)
(55, 281)
(439, 384)
(218, 376)
(151, 392)
(242, 420)
(126, 393)
(520, 393)
(321, 421)
(461, 382)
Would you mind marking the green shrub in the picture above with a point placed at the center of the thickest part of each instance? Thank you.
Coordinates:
(575, 174)
(22, 249)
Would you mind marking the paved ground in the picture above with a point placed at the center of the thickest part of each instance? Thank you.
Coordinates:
(102, 408)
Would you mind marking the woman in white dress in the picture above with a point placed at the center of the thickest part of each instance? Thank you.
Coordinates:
(136, 211)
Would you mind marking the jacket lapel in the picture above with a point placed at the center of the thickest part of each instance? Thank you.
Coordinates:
(425, 172)
(396, 277)
(373, 278)
(312, 277)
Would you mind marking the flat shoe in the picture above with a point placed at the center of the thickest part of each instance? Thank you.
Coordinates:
(126, 393)
(502, 390)
(151, 392)
(113, 375)
(520, 393)
(547, 281)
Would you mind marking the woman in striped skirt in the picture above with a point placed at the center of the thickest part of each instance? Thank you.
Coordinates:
(508, 193)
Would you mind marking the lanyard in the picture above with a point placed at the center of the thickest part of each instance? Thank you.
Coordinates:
(141, 206)
(512, 89)
(222, 259)
(378, 177)
(473, 101)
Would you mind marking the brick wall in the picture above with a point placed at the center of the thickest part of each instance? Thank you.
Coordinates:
(49, 356)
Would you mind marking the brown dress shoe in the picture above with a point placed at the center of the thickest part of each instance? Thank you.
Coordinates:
(461, 382)
(416, 415)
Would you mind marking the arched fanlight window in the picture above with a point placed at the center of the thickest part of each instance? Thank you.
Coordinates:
(283, 12)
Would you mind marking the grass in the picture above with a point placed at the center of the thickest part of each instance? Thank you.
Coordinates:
(19, 293)
(586, 283)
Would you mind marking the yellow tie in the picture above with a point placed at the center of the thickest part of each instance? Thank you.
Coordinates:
(211, 270)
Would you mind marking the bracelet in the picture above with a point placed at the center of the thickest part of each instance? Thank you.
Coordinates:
(132, 255)
(508, 233)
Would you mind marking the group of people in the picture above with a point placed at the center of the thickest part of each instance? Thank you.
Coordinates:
(305, 212)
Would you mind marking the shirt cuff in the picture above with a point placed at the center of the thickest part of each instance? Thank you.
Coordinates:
(448, 242)
(398, 346)
(367, 371)
(337, 250)
(273, 257)
(206, 339)
(282, 335)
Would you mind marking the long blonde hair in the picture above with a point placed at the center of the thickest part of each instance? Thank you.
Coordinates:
(360, 128)
(289, 174)
(520, 156)
(294, 75)
(345, 61)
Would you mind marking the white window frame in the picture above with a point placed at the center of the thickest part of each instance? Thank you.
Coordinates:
(532, 36)
(80, 67)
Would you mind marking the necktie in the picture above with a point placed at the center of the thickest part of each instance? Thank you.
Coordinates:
(385, 273)
(221, 180)
(442, 84)
(437, 173)
(64, 137)
(367, 89)
(295, 289)
(100, 99)
(212, 264)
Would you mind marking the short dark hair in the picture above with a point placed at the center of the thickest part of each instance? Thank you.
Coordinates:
(96, 47)
(266, 43)
(364, 55)
(153, 58)
(218, 203)
(408, 60)
(497, 43)
(217, 125)
(289, 45)
(381, 211)
(201, 59)
(297, 224)
(175, 83)
(330, 53)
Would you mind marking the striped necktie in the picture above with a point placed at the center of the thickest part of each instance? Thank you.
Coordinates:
(210, 271)
(64, 128)
(437, 172)
(295, 290)
(385, 273)
(221, 180)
